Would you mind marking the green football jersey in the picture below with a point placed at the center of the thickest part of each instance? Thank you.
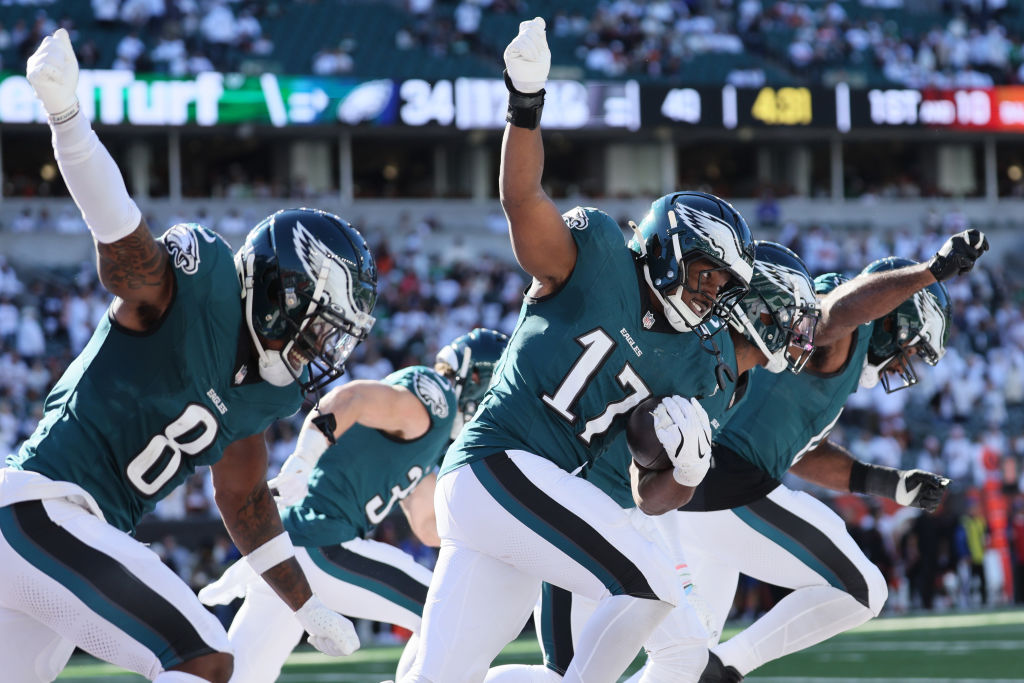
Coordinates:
(580, 359)
(360, 478)
(135, 413)
(785, 415)
(610, 472)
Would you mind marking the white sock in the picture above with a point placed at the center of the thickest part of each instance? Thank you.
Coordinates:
(805, 617)
(178, 677)
(521, 673)
(613, 636)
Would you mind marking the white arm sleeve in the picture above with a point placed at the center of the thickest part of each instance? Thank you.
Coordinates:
(94, 181)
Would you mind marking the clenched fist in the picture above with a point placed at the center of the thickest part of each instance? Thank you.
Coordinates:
(527, 57)
(53, 72)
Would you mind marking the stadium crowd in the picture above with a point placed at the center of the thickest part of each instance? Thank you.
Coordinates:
(952, 43)
(964, 419)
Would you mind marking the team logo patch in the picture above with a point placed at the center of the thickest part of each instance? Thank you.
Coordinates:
(183, 248)
(431, 394)
(576, 219)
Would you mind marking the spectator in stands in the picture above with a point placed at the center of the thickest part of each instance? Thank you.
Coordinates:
(976, 534)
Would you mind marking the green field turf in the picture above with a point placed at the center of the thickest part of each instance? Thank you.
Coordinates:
(986, 647)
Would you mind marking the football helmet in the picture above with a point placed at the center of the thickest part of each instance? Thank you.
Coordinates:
(921, 323)
(780, 312)
(680, 227)
(473, 358)
(308, 280)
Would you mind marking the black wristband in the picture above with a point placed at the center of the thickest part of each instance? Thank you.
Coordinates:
(524, 109)
(875, 480)
(326, 423)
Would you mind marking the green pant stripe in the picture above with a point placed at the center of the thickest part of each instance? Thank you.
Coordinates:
(83, 589)
(792, 546)
(543, 528)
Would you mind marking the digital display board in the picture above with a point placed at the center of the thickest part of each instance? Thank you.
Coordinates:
(116, 97)
(121, 97)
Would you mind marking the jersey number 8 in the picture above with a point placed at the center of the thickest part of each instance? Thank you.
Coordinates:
(197, 423)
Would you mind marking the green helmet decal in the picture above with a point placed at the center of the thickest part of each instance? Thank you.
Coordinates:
(780, 312)
(917, 327)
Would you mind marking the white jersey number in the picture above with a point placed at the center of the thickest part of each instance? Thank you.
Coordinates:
(196, 423)
(597, 347)
(377, 510)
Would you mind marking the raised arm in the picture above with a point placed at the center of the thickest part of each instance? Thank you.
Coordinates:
(540, 240)
(391, 409)
(870, 296)
(252, 520)
(832, 466)
(132, 265)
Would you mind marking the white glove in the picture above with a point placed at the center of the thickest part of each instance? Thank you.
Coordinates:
(684, 430)
(329, 632)
(232, 584)
(292, 482)
(53, 72)
(528, 58)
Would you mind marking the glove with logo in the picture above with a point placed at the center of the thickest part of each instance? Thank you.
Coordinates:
(329, 632)
(958, 254)
(53, 72)
(911, 488)
(684, 430)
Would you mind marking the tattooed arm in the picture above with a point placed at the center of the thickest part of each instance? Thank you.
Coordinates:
(249, 513)
(137, 270)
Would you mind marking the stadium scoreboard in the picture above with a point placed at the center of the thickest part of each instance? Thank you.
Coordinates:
(114, 97)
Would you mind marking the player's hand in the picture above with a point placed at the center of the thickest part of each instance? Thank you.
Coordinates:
(958, 254)
(527, 57)
(329, 632)
(231, 585)
(684, 430)
(292, 483)
(920, 489)
(53, 72)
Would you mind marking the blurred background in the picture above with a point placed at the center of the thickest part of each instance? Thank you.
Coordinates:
(846, 129)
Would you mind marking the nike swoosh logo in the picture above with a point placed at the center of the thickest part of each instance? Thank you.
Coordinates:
(902, 494)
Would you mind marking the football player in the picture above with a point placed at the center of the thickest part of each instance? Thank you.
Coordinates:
(775, 322)
(602, 328)
(741, 519)
(199, 352)
(367, 446)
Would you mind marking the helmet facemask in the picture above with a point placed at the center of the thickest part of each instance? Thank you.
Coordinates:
(330, 330)
(896, 370)
(780, 314)
(785, 335)
(918, 327)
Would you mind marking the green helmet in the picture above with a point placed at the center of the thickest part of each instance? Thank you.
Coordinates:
(473, 357)
(919, 326)
(780, 312)
(309, 282)
(683, 226)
